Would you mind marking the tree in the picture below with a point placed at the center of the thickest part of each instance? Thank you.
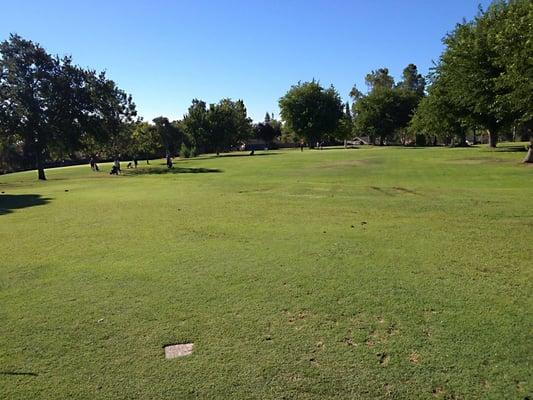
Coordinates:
(218, 127)
(355, 93)
(413, 81)
(111, 113)
(169, 133)
(268, 130)
(379, 79)
(345, 128)
(195, 125)
(311, 111)
(228, 124)
(48, 104)
(145, 140)
(487, 68)
(30, 90)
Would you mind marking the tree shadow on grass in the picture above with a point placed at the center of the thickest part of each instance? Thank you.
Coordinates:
(10, 202)
(174, 170)
(14, 373)
(510, 149)
(230, 155)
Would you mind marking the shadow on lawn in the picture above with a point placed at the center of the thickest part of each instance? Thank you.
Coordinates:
(510, 149)
(174, 170)
(10, 202)
(18, 373)
(230, 155)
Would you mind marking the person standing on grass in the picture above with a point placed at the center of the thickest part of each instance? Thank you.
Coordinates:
(91, 162)
(169, 161)
(302, 145)
(135, 161)
(116, 164)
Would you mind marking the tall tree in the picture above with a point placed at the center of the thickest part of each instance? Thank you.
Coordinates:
(311, 111)
(268, 130)
(379, 79)
(345, 128)
(487, 68)
(195, 124)
(169, 134)
(412, 80)
(228, 124)
(49, 104)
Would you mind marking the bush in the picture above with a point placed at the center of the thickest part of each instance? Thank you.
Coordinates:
(184, 151)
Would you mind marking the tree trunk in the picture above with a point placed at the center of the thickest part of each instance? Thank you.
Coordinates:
(40, 167)
(493, 138)
(529, 156)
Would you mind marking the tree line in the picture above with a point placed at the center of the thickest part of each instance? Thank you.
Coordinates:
(52, 109)
(482, 84)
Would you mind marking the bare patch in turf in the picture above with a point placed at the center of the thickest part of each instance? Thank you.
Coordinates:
(384, 359)
(414, 358)
(178, 350)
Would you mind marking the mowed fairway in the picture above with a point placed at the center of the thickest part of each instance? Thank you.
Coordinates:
(363, 273)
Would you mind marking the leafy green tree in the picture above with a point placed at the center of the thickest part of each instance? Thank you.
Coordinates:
(50, 105)
(345, 128)
(145, 140)
(33, 95)
(486, 67)
(436, 118)
(169, 133)
(268, 130)
(310, 111)
(355, 94)
(413, 81)
(195, 125)
(386, 110)
(228, 124)
(379, 79)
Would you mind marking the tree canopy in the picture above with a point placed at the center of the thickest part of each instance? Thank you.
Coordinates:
(311, 111)
(48, 104)
(484, 77)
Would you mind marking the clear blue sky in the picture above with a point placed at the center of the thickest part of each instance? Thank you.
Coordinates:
(168, 52)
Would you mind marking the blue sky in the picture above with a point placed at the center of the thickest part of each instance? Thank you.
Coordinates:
(168, 52)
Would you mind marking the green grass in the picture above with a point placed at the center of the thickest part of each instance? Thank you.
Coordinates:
(366, 273)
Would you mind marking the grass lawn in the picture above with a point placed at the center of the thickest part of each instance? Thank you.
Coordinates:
(363, 273)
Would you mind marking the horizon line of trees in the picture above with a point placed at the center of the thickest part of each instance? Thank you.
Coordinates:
(52, 109)
(482, 84)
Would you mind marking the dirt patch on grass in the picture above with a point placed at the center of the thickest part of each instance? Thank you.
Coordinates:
(414, 358)
(384, 359)
(393, 191)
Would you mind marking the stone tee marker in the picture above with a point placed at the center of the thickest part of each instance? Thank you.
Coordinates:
(178, 350)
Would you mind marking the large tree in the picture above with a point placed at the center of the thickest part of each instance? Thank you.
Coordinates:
(217, 127)
(228, 124)
(169, 133)
(50, 105)
(311, 111)
(387, 109)
(268, 130)
(487, 68)
(195, 125)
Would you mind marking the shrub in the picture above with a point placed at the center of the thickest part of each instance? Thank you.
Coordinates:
(184, 151)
